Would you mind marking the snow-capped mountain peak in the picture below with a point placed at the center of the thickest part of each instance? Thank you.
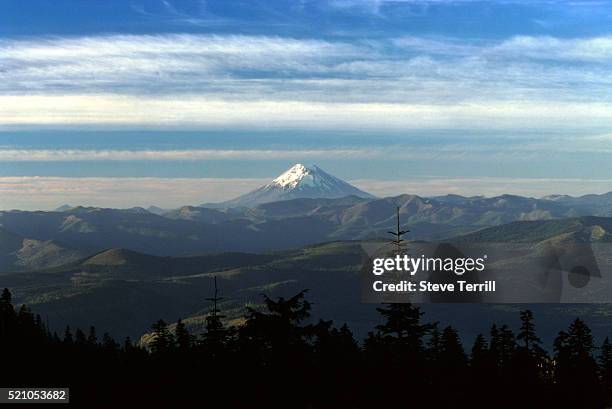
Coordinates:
(299, 181)
(297, 174)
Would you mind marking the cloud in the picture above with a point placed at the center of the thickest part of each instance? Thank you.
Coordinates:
(55, 155)
(29, 193)
(598, 49)
(369, 4)
(198, 112)
(158, 63)
(486, 186)
(226, 80)
(475, 148)
(379, 7)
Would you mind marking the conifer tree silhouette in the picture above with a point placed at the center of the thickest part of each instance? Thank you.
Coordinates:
(7, 314)
(5, 300)
(482, 366)
(527, 332)
(397, 344)
(278, 331)
(576, 368)
(484, 373)
(92, 339)
(580, 339)
(184, 340)
(530, 362)
(451, 351)
(128, 346)
(68, 339)
(163, 341)
(453, 366)
(403, 326)
(279, 358)
(480, 351)
(334, 346)
(79, 338)
(276, 342)
(108, 344)
(216, 339)
(434, 344)
(495, 346)
(507, 346)
(605, 369)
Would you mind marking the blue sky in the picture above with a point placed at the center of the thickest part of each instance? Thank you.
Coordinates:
(123, 103)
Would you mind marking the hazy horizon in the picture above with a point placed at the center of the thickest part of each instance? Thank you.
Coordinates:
(47, 193)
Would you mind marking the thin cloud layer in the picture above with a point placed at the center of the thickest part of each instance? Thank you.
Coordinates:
(58, 155)
(200, 112)
(476, 149)
(45, 193)
(208, 80)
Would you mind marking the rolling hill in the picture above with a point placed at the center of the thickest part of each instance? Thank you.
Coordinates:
(18, 253)
(588, 229)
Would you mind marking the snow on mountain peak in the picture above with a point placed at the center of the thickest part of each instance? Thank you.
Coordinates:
(297, 174)
(299, 182)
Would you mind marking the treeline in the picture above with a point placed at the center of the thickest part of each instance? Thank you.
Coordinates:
(279, 357)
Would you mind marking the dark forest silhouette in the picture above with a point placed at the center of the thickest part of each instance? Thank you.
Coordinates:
(278, 357)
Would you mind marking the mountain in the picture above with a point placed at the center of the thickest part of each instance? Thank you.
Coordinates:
(274, 225)
(201, 214)
(298, 182)
(128, 264)
(18, 253)
(599, 205)
(63, 208)
(156, 210)
(10, 243)
(439, 218)
(587, 229)
(90, 230)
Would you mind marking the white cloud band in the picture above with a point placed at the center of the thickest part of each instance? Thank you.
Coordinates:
(194, 111)
(57, 155)
(206, 81)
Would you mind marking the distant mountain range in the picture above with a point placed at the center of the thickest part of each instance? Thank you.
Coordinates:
(585, 229)
(31, 239)
(299, 181)
(591, 204)
(35, 239)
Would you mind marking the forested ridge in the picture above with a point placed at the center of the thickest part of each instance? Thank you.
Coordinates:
(279, 357)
